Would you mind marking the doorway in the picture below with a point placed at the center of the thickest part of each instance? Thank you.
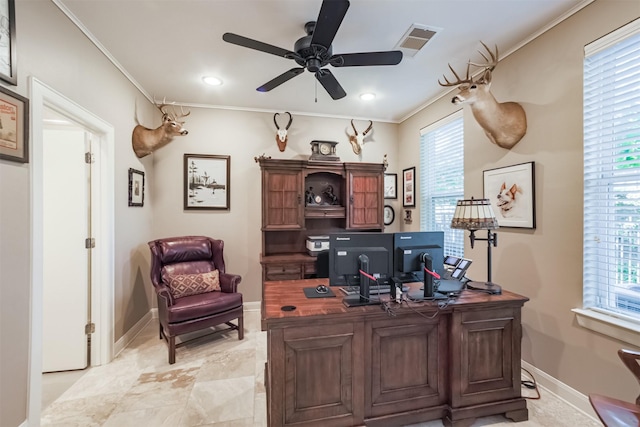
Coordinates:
(102, 272)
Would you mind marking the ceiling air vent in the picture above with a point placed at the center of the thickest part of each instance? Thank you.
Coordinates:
(416, 37)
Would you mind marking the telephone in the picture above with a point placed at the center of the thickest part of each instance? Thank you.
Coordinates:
(455, 267)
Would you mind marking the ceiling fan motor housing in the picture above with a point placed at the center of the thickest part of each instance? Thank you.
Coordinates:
(312, 57)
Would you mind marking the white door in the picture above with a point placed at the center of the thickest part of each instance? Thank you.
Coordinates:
(66, 261)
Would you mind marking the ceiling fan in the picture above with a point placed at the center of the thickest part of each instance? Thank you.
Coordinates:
(313, 51)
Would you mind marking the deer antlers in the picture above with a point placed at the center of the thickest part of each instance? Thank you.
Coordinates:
(357, 139)
(281, 134)
(489, 66)
(172, 115)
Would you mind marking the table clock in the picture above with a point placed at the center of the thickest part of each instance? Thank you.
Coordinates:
(324, 150)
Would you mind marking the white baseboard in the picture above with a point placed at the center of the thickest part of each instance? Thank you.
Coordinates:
(251, 306)
(130, 335)
(561, 390)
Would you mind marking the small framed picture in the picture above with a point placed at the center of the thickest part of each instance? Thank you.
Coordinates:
(389, 215)
(14, 126)
(8, 44)
(511, 191)
(136, 188)
(409, 187)
(390, 185)
(207, 182)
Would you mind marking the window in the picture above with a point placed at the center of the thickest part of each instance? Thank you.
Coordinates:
(611, 255)
(442, 179)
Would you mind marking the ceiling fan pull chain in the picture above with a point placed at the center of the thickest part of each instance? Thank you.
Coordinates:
(316, 87)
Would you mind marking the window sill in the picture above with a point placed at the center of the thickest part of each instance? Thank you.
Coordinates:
(614, 327)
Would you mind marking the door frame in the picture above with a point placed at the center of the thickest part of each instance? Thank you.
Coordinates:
(102, 287)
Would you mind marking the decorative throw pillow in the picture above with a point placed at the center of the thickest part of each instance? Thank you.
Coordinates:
(183, 285)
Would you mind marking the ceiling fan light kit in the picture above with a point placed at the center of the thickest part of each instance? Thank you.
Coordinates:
(313, 52)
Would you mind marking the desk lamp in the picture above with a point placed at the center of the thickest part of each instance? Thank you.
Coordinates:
(473, 215)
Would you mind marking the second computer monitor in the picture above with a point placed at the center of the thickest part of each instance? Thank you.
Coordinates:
(408, 248)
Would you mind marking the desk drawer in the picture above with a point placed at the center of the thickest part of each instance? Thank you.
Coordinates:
(283, 271)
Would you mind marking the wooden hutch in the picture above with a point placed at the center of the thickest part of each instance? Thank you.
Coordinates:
(302, 198)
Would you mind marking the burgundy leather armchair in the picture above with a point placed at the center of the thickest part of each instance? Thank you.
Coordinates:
(193, 255)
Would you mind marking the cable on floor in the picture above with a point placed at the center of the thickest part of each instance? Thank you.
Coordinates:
(531, 384)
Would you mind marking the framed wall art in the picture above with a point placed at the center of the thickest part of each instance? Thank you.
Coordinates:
(136, 188)
(206, 182)
(409, 187)
(389, 214)
(511, 190)
(14, 126)
(8, 42)
(390, 185)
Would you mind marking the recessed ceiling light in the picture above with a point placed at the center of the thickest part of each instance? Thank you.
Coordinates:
(213, 81)
(367, 96)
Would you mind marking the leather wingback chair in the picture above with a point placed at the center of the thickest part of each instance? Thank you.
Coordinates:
(618, 413)
(191, 255)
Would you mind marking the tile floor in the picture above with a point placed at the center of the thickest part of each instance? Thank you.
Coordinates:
(217, 381)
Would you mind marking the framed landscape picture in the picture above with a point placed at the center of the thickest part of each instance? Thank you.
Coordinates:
(511, 191)
(206, 182)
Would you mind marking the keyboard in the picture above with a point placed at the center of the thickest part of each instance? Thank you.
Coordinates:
(373, 290)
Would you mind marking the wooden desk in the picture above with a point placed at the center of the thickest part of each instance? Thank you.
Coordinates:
(329, 365)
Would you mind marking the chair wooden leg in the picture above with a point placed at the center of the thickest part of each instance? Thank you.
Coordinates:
(160, 330)
(241, 327)
(172, 350)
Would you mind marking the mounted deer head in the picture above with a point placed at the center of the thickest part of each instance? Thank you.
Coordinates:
(504, 123)
(281, 134)
(146, 141)
(357, 139)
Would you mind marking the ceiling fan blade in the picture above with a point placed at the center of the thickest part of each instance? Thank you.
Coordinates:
(331, 14)
(391, 57)
(331, 85)
(255, 44)
(288, 75)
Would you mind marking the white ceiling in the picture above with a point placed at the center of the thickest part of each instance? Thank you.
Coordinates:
(166, 46)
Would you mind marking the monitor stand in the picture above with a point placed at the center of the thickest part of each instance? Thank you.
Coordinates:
(356, 301)
(363, 297)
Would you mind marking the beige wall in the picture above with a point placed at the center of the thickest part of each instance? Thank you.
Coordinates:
(544, 264)
(243, 136)
(52, 49)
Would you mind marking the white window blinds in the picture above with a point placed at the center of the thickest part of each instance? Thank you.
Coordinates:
(611, 269)
(442, 179)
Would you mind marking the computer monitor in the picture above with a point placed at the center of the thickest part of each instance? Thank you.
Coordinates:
(410, 249)
(351, 252)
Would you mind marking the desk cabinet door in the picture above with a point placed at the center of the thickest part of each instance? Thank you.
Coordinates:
(407, 367)
(316, 375)
(485, 356)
